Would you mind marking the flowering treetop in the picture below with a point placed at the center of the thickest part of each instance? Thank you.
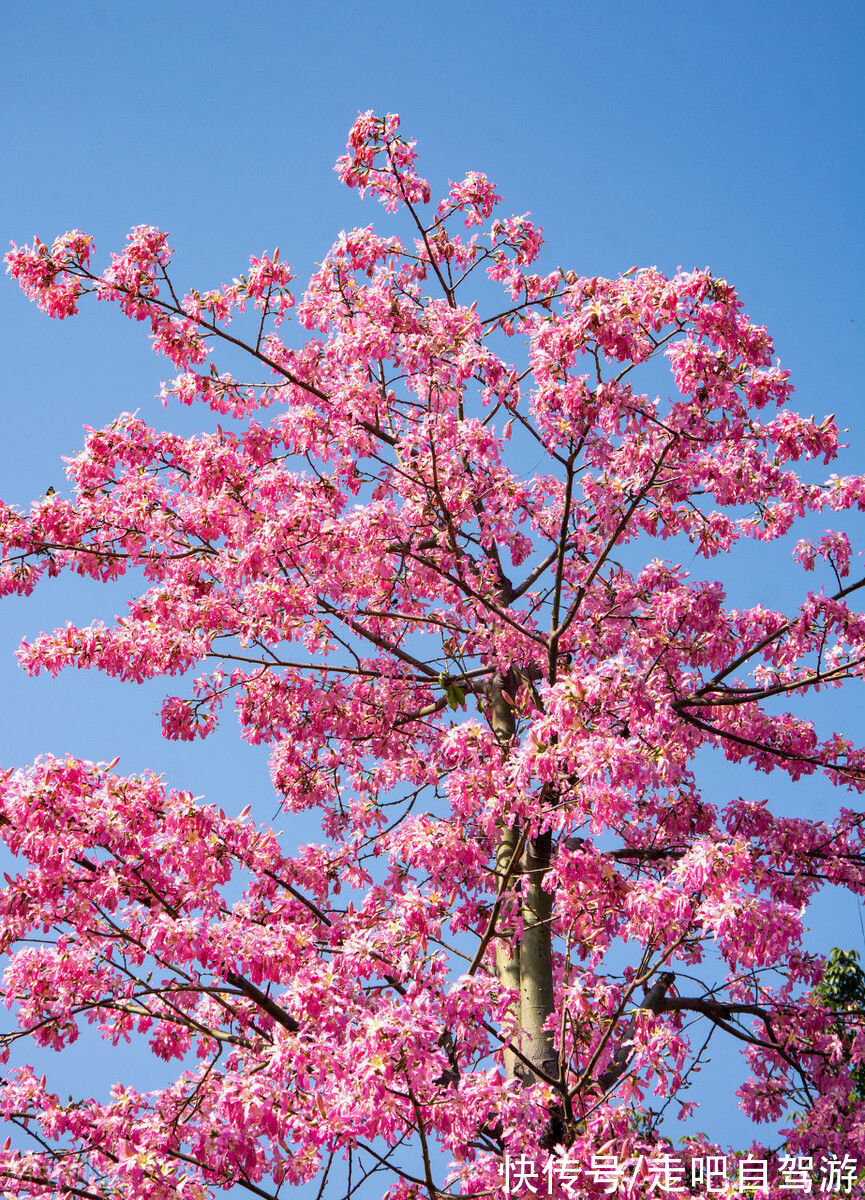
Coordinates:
(490, 683)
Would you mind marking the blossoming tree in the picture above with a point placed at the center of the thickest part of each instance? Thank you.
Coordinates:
(523, 919)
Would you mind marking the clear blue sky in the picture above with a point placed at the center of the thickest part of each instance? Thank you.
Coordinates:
(728, 136)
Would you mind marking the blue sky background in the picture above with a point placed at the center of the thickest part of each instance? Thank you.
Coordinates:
(728, 136)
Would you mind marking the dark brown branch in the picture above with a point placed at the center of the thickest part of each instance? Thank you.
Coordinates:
(652, 1002)
(263, 1001)
(778, 752)
(767, 641)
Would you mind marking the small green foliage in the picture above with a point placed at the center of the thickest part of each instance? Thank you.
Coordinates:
(454, 694)
(843, 980)
(843, 990)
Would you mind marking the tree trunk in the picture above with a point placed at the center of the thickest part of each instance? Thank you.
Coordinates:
(508, 947)
(536, 961)
(524, 964)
